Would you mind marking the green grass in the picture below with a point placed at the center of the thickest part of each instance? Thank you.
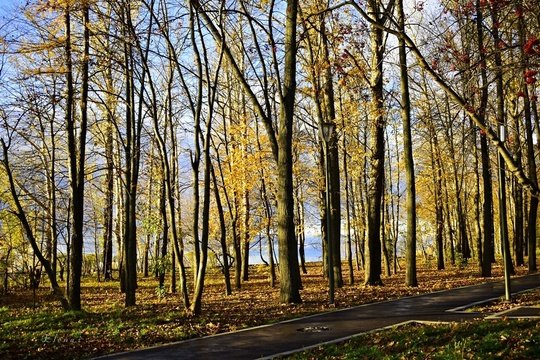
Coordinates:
(27, 334)
(33, 325)
(480, 339)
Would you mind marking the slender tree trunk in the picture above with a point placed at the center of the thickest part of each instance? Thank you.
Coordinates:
(410, 186)
(161, 258)
(324, 99)
(109, 203)
(245, 235)
(439, 210)
(52, 232)
(290, 281)
(77, 154)
(347, 208)
(477, 203)
(268, 217)
(501, 122)
(300, 227)
(487, 207)
(196, 303)
(108, 211)
(150, 230)
(21, 215)
(134, 123)
(531, 158)
(517, 194)
(223, 235)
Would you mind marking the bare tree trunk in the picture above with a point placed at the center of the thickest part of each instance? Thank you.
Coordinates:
(439, 210)
(267, 212)
(161, 258)
(108, 222)
(501, 121)
(290, 281)
(528, 112)
(376, 151)
(410, 186)
(300, 227)
(21, 215)
(325, 106)
(77, 154)
(134, 124)
(223, 235)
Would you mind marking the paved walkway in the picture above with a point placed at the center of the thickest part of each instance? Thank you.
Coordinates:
(265, 342)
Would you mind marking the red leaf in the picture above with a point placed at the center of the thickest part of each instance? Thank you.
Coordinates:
(531, 45)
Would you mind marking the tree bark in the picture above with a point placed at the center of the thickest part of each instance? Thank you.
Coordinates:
(223, 235)
(76, 154)
(410, 186)
(21, 215)
(376, 151)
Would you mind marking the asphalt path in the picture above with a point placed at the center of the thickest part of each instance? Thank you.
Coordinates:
(268, 341)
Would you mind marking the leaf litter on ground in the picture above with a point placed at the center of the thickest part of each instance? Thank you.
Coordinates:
(105, 326)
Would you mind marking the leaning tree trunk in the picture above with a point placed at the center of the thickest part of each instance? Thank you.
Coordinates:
(21, 215)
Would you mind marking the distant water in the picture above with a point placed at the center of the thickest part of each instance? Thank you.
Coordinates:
(313, 251)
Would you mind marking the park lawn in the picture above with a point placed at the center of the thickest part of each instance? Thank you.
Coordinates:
(33, 326)
(476, 339)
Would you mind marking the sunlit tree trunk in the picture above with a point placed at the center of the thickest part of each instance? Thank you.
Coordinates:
(77, 153)
(517, 193)
(134, 124)
(324, 98)
(268, 213)
(410, 186)
(439, 210)
(529, 111)
(376, 151)
(223, 234)
(161, 258)
(290, 281)
(108, 222)
(487, 204)
(348, 213)
(501, 121)
(300, 226)
(477, 205)
(21, 215)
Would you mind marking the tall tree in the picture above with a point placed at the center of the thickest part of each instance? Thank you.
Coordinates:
(530, 112)
(410, 187)
(487, 208)
(322, 79)
(133, 49)
(376, 145)
(21, 215)
(290, 281)
(501, 123)
(201, 57)
(76, 136)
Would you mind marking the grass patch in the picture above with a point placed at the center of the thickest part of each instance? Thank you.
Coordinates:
(35, 327)
(502, 339)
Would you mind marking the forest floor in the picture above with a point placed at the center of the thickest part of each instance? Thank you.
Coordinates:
(33, 326)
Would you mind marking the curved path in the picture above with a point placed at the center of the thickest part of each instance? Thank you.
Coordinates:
(290, 336)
